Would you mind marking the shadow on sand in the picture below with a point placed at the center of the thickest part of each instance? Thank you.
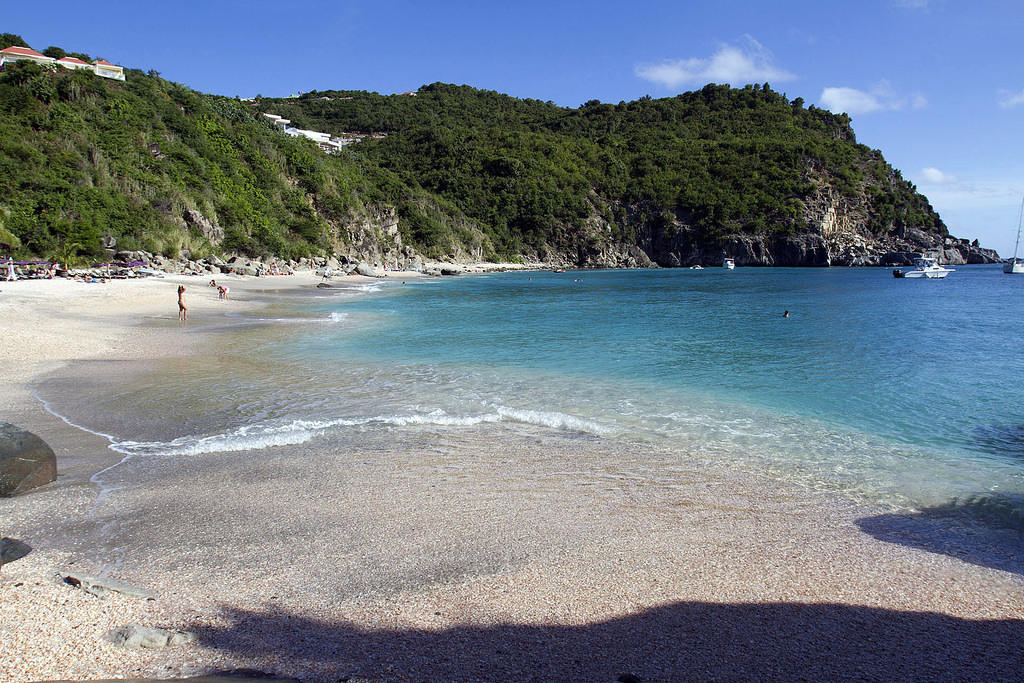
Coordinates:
(681, 641)
(986, 530)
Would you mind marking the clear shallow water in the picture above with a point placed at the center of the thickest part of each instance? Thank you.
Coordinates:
(890, 392)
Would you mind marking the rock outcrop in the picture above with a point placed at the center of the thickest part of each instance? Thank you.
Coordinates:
(839, 238)
(12, 549)
(26, 461)
(101, 587)
(136, 637)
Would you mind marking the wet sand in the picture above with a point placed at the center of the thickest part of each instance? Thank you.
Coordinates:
(472, 557)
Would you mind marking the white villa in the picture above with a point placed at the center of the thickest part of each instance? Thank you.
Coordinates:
(324, 140)
(108, 70)
(99, 67)
(75, 63)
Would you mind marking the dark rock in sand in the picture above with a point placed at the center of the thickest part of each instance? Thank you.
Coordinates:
(366, 269)
(137, 637)
(12, 549)
(102, 586)
(25, 461)
(221, 677)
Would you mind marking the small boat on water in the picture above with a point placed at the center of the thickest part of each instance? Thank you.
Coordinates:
(1015, 265)
(697, 267)
(728, 264)
(926, 267)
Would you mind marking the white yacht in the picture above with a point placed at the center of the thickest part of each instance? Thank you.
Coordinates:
(1015, 265)
(728, 264)
(927, 267)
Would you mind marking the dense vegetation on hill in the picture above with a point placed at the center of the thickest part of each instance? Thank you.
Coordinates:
(462, 172)
(160, 167)
(724, 160)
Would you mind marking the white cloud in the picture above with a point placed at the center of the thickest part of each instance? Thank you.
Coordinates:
(947, 192)
(748, 63)
(934, 176)
(849, 100)
(1011, 99)
(881, 98)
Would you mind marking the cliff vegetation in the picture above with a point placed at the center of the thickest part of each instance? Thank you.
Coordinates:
(447, 173)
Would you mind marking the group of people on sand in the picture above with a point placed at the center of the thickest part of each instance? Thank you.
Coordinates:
(30, 270)
(222, 290)
(222, 293)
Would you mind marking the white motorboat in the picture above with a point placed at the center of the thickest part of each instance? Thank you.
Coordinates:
(927, 267)
(697, 267)
(1015, 265)
(728, 264)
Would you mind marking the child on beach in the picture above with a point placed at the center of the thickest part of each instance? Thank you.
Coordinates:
(182, 309)
(222, 291)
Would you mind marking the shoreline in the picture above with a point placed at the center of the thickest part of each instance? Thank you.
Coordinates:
(508, 571)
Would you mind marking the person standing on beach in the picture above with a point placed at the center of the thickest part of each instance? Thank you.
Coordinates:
(182, 309)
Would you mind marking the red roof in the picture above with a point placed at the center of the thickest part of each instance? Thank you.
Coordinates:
(74, 60)
(22, 52)
(104, 62)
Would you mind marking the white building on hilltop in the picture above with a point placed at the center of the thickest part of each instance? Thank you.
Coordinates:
(75, 63)
(323, 140)
(100, 67)
(108, 70)
(18, 54)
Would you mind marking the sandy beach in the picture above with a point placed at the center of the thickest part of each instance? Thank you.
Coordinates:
(391, 560)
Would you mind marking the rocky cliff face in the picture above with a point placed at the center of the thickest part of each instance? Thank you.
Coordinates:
(838, 236)
(375, 238)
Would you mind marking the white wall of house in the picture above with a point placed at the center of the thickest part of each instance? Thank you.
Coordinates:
(15, 56)
(76, 64)
(110, 71)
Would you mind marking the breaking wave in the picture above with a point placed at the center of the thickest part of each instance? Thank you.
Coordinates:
(260, 436)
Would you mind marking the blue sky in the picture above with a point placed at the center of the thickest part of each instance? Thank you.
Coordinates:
(937, 85)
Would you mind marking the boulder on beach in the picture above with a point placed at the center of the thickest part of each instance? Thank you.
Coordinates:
(12, 549)
(102, 586)
(137, 637)
(232, 676)
(25, 460)
(367, 270)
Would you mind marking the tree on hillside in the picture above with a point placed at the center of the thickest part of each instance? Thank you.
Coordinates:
(7, 238)
(11, 40)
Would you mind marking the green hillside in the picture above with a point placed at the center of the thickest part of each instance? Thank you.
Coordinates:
(160, 167)
(724, 160)
(464, 173)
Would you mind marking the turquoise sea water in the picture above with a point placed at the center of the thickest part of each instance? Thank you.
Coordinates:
(900, 393)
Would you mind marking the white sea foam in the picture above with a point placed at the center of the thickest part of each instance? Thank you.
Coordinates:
(552, 419)
(260, 436)
(48, 408)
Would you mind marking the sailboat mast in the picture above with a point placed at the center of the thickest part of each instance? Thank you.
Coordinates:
(1019, 217)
